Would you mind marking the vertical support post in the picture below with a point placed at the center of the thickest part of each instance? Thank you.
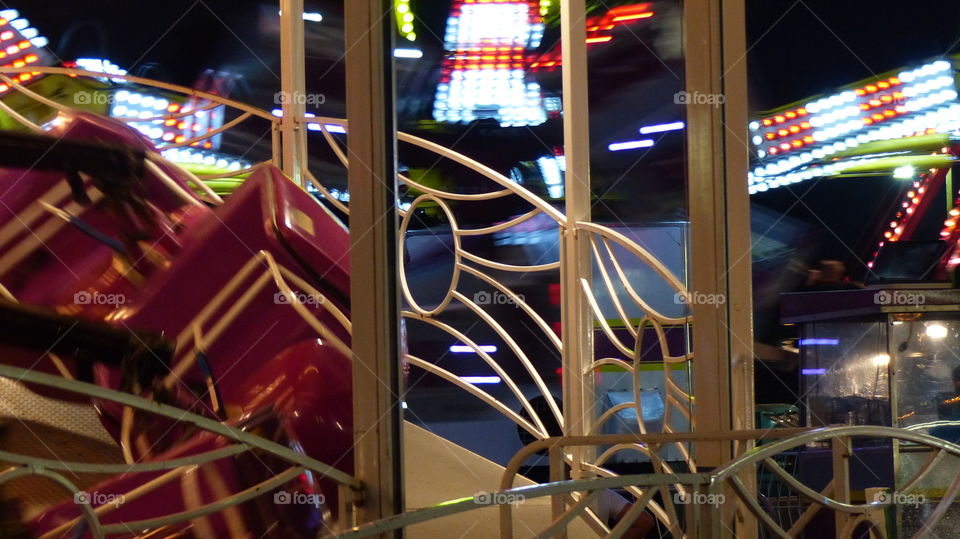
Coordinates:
(841, 452)
(371, 144)
(720, 219)
(715, 55)
(293, 88)
(579, 401)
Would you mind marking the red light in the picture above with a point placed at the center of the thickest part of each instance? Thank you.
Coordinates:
(602, 39)
(770, 136)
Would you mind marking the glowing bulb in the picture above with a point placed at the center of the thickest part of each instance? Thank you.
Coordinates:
(936, 331)
(881, 360)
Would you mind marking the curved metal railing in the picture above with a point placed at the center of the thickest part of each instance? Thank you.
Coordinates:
(239, 442)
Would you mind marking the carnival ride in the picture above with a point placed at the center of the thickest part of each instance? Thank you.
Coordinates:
(244, 367)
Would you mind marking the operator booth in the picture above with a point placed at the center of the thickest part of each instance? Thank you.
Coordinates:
(886, 355)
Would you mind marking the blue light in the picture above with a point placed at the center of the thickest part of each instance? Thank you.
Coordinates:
(821, 342)
(408, 53)
(464, 349)
(630, 145)
(660, 128)
(813, 372)
(481, 379)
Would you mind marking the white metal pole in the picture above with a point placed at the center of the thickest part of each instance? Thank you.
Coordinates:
(372, 176)
(292, 96)
(579, 401)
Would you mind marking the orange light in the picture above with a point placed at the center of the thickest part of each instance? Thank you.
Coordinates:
(894, 81)
(804, 125)
(874, 102)
(877, 117)
(870, 88)
(767, 122)
(779, 119)
(867, 121)
(802, 111)
(860, 91)
(864, 106)
(808, 139)
(783, 132)
(883, 85)
(887, 234)
(180, 138)
(770, 136)
(644, 15)
(602, 39)
(791, 115)
(19, 63)
(794, 128)
(889, 113)
(797, 143)
(886, 99)
(173, 108)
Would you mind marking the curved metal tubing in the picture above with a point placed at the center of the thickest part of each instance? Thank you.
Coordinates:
(170, 412)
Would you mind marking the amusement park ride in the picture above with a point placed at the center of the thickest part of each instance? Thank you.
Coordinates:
(239, 376)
